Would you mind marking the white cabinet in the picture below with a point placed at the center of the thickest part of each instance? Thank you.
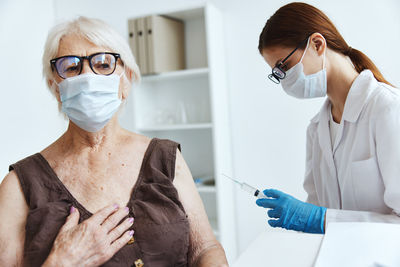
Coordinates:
(191, 107)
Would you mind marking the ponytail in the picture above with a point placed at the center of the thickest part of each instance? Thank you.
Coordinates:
(293, 22)
(362, 62)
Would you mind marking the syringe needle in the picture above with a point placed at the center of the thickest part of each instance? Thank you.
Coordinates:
(232, 179)
(248, 188)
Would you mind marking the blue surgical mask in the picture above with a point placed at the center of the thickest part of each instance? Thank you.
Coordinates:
(90, 100)
(299, 85)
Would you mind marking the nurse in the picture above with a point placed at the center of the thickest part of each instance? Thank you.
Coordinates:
(353, 143)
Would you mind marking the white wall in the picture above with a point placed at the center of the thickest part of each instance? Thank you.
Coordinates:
(28, 113)
(268, 127)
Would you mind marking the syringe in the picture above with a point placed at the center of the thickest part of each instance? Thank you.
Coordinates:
(248, 188)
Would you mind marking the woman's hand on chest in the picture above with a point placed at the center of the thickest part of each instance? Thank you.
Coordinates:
(92, 242)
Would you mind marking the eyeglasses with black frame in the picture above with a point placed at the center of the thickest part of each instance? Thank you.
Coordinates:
(278, 72)
(103, 63)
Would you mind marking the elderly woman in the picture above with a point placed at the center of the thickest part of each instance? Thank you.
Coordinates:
(101, 195)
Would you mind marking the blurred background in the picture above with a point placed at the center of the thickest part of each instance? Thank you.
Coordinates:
(265, 127)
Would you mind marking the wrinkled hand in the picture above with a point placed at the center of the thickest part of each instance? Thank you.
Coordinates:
(92, 242)
(291, 213)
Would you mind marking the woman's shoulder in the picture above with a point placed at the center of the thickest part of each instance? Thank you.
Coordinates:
(153, 149)
(144, 141)
(10, 185)
(12, 201)
(13, 213)
(135, 139)
(384, 100)
(386, 94)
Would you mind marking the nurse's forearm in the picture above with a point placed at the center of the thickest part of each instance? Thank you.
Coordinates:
(212, 256)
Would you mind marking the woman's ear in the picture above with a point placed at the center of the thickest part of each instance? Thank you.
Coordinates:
(318, 43)
(129, 75)
(127, 83)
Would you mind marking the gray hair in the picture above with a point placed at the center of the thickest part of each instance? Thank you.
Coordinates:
(94, 30)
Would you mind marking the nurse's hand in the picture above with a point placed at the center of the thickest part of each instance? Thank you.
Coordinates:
(291, 213)
(92, 242)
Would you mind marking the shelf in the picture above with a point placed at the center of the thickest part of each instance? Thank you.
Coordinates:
(197, 13)
(176, 127)
(176, 75)
(206, 189)
(186, 106)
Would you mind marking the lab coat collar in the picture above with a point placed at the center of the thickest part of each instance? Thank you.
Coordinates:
(358, 94)
(360, 90)
(322, 114)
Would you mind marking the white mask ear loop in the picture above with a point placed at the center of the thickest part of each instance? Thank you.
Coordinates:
(125, 79)
(55, 82)
(323, 60)
(305, 50)
(122, 73)
(55, 86)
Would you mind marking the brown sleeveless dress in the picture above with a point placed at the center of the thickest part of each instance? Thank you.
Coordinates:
(161, 226)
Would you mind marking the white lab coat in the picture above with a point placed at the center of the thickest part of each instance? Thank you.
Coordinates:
(358, 178)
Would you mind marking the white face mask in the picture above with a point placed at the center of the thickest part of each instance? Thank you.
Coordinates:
(90, 100)
(299, 85)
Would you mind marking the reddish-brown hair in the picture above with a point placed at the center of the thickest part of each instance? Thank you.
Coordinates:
(293, 22)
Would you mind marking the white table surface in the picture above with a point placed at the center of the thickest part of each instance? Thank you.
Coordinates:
(279, 247)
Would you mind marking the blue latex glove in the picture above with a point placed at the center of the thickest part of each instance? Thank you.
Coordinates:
(291, 213)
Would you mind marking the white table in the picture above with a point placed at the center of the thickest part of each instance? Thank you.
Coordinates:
(279, 247)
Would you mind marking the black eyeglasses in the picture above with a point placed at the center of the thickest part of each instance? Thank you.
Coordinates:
(103, 63)
(278, 73)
